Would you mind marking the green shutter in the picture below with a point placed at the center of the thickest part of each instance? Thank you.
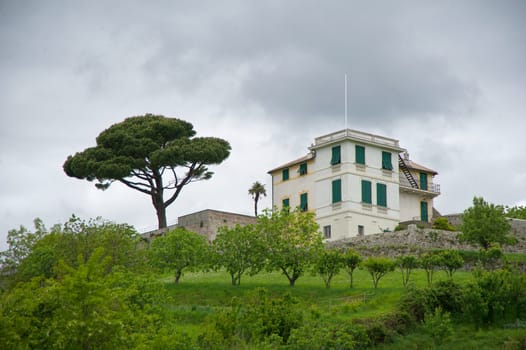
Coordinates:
(303, 168)
(360, 154)
(366, 192)
(285, 203)
(381, 195)
(336, 155)
(423, 212)
(285, 174)
(423, 181)
(304, 206)
(336, 191)
(386, 161)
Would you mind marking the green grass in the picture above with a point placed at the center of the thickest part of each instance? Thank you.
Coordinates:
(465, 338)
(198, 294)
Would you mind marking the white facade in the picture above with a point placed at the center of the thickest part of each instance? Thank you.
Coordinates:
(357, 193)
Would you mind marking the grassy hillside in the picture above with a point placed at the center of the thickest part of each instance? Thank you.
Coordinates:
(201, 295)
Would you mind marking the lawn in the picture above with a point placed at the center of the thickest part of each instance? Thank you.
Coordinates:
(200, 294)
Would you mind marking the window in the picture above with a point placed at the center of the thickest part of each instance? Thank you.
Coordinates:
(423, 181)
(386, 161)
(285, 203)
(423, 211)
(360, 154)
(303, 202)
(285, 174)
(361, 230)
(381, 195)
(327, 231)
(303, 169)
(336, 155)
(366, 192)
(337, 191)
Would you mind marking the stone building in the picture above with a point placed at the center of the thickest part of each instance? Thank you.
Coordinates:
(206, 223)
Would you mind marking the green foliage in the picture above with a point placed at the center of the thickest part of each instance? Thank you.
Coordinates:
(260, 318)
(516, 212)
(378, 267)
(438, 325)
(292, 240)
(86, 307)
(351, 260)
(141, 151)
(442, 223)
(496, 297)
(177, 250)
(317, 334)
(485, 223)
(406, 264)
(446, 295)
(239, 250)
(451, 261)
(76, 237)
(21, 243)
(400, 227)
(430, 262)
(491, 257)
(328, 264)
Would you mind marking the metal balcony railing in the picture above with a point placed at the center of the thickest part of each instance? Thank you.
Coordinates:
(431, 187)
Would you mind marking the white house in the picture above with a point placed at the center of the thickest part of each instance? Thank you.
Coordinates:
(357, 184)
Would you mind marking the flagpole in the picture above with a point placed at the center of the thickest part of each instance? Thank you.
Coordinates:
(345, 101)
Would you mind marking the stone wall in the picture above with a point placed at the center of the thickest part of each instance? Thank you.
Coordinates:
(207, 222)
(415, 241)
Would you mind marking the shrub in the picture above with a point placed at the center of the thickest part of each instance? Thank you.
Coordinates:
(438, 325)
(442, 223)
(259, 319)
(320, 335)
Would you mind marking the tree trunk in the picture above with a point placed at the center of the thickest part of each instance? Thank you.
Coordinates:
(178, 274)
(256, 204)
(292, 281)
(161, 217)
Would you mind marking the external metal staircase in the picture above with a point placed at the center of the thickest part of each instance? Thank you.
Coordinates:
(407, 173)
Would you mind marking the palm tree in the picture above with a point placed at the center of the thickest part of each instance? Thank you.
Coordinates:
(255, 191)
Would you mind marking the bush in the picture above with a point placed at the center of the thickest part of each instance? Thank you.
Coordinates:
(442, 223)
(446, 295)
(260, 319)
(438, 325)
(319, 335)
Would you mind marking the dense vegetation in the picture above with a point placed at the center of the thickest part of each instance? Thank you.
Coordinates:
(99, 285)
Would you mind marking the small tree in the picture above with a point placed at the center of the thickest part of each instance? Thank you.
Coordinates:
(485, 223)
(328, 264)
(351, 260)
(177, 250)
(451, 261)
(21, 243)
(430, 261)
(378, 267)
(256, 191)
(406, 264)
(238, 249)
(292, 240)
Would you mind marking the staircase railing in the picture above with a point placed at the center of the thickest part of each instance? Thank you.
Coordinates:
(407, 173)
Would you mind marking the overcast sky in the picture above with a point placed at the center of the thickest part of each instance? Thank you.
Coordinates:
(446, 78)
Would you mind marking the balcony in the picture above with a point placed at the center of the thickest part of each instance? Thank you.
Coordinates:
(431, 187)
